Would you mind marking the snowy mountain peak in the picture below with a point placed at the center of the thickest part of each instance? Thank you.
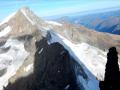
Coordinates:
(25, 12)
(22, 22)
(25, 9)
(31, 17)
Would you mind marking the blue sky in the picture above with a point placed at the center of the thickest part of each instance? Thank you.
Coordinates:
(44, 8)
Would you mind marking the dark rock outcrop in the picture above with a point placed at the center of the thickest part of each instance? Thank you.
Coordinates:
(112, 74)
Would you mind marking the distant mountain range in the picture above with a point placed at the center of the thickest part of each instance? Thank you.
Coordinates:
(103, 22)
(37, 54)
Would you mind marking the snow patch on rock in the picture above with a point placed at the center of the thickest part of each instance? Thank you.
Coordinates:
(40, 51)
(28, 68)
(7, 18)
(12, 60)
(5, 31)
(53, 23)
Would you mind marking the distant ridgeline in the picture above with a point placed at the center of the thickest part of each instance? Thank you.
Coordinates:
(104, 22)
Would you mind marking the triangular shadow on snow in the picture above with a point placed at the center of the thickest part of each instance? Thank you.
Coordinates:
(53, 70)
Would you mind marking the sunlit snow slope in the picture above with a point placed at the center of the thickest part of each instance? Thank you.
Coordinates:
(11, 59)
(91, 58)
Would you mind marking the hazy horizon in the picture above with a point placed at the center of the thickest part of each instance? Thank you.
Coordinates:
(46, 8)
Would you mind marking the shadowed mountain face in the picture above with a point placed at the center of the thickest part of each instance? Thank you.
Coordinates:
(53, 70)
